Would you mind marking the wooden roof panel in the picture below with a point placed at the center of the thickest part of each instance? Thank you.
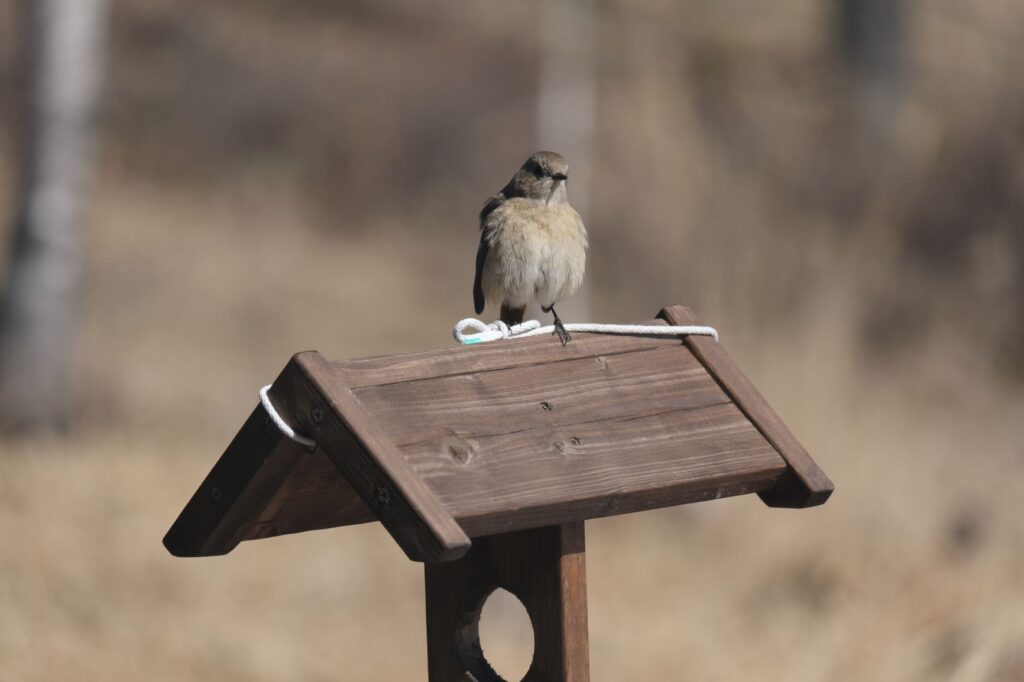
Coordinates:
(599, 468)
(523, 398)
(476, 440)
(533, 350)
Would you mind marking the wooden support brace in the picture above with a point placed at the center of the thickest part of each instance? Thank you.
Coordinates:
(326, 411)
(803, 484)
(545, 569)
(258, 460)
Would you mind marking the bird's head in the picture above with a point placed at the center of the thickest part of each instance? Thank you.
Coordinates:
(542, 177)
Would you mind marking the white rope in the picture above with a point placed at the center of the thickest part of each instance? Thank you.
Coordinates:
(499, 330)
(285, 429)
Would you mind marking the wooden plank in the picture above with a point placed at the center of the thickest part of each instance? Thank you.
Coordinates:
(241, 483)
(546, 569)
(731, 461)
(625, 432)
(536, 350)
(314, 496)
(552, 474)
(804, 483)
(328, 412)
(535, 396)
(499, 439)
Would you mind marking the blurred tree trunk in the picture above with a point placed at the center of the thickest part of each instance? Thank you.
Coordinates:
(873, 41)
(567, 105)
(870, 39)
(61, 58)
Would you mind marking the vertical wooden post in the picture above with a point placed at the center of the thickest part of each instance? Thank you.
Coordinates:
(545, 568)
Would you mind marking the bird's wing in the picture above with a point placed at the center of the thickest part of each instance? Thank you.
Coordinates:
(481, 256)
(492, 203)
(487, 229)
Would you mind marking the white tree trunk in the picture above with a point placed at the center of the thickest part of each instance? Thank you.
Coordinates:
(62, 53)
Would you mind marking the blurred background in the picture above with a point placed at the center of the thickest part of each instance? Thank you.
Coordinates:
(192, 191)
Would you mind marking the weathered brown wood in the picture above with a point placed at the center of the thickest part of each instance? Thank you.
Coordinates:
(506, 400)
(537, 445)
(534, 350)
(546, 569)
(740, 463)
(724, 456)
(239, 487)
(327, 412)
(614, 467)
(804, 484)
(315, 496)
(624, 432)
(507, 436)
(514, 444)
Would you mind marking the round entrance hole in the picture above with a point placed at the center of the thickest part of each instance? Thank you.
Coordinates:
(506, 635)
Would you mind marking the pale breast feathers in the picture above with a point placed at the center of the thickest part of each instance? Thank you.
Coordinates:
(534, 251)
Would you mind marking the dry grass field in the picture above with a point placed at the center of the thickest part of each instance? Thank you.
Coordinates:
(244, 211)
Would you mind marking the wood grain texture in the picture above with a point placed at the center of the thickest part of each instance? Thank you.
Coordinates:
(314, 496)
(327, 412)
(546, 569)
(725, 456)
(500, 437)
(613, 467)
(523, 398)
(537, 445)
(534, 350)
(804, 484)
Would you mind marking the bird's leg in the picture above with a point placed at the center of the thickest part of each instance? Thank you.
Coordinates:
(560, 330)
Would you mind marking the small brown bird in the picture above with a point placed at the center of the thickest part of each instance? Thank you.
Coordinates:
(533, 245)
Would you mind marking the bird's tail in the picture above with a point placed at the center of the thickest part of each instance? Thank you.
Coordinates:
(511, 316)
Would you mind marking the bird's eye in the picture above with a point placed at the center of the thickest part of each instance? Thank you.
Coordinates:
(537, 170)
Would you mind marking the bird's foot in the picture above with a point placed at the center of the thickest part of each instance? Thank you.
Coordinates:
(562, 332)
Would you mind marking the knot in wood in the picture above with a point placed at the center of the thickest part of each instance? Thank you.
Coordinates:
(459, 453)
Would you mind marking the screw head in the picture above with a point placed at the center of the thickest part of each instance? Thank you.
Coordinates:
(383, 497)
(546, 406)
(317, 414)
(215, 494)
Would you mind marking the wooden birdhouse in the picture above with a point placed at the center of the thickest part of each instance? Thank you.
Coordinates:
(484, 462)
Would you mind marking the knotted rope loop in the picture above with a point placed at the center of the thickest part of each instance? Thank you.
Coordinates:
(490, 332)
(499, 330)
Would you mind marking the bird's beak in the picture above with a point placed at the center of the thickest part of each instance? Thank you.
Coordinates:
(560, 176)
